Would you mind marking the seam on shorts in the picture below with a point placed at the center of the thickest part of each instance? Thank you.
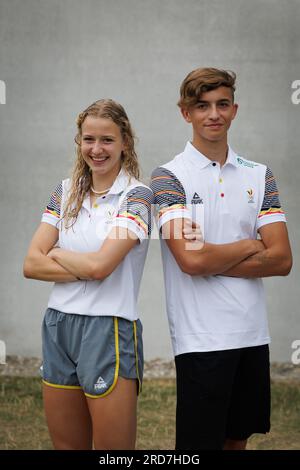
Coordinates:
(67, 387)
(116, 330)
(136, 356)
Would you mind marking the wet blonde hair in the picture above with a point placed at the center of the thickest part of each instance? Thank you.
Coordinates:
(81, 178)
(202, 80)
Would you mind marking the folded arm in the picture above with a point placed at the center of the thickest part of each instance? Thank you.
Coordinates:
(274, 260)
(99, 264)
(210, 258)
(37, 265)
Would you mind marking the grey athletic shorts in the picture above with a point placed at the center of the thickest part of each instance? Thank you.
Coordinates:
(90, 353)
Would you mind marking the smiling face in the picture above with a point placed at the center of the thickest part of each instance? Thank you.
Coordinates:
(101, 146)
(212, 115)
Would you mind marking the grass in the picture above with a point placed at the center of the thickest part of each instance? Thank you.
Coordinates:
(23, 426)
(22, 422)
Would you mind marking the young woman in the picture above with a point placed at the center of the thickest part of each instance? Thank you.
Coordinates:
(92, 242)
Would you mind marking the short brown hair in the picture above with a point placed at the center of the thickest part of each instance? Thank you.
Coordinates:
(201, 80)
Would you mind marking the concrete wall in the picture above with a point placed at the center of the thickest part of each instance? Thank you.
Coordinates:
(57, 56)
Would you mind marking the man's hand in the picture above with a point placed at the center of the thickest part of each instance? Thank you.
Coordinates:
(259, 245)
(192, 232)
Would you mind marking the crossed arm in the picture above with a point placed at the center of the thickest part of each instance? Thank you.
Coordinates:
(46, 263)
(245, 258)
(99, 264)
(37, 265)
(274, 260)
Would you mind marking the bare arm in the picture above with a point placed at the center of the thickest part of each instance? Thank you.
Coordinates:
(37, 264)
(100, 264)
(275, 260)
(210, 259)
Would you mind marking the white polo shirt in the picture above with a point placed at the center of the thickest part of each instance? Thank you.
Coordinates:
(210, 313)
(127, 204)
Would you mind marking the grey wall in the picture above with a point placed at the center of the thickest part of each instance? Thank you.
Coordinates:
(57, 56)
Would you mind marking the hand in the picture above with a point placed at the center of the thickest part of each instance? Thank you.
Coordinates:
(259, 246)
(192, 232)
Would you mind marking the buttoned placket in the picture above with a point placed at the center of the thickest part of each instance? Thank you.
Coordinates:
(93, 209)
(219, 179)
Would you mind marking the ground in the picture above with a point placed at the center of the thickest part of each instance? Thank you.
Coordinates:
(23, 426)
(154, 369)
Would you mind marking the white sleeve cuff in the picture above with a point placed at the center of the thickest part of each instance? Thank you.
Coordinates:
(50, 219)
(172, 214)
(270, 219)
(132, 226)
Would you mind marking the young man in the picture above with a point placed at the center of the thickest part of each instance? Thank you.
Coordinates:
(215, 297)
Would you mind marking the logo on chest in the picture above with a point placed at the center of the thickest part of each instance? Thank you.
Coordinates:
(250, 193)
(196, 199)
(109, 214)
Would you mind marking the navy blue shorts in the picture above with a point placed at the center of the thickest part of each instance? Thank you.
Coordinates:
(222, 394)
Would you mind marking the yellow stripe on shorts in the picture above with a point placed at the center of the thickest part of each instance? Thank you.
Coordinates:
(66, 387)
(136, 355)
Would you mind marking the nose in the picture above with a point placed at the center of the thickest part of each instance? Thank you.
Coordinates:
(213, 112)
(97, 148)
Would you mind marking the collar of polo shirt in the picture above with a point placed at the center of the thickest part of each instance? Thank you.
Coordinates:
(196, 157)
(120, 183)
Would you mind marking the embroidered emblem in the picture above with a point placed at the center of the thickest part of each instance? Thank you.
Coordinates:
(109, 214)
(250, 196)
(243, 162)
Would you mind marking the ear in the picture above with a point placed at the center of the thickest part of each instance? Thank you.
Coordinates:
(235, 109)
(77, 139)
(124, 143)
(186, 114)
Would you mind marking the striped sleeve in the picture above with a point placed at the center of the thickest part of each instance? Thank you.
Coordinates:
(271, 210)
(169, 196)
(51, 214)
(135, 212)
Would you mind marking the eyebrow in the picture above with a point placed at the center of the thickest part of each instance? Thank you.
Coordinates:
(103, 136)
(227, 100)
